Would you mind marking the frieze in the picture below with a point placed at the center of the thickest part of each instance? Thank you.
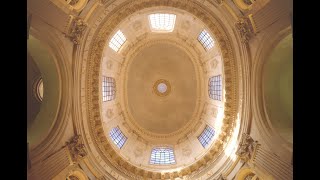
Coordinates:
(93, 68)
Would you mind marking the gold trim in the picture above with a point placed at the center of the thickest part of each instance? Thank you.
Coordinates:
(111, 20)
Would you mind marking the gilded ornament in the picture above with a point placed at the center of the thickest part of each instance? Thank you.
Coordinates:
(76, 30)
(76, 148)
(246, 147)
(245, 30)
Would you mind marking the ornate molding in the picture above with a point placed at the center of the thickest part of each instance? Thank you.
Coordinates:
(220, 2)
(248, 2)
(72, 177)
(75, 31)
(73, 2)
(245, 29)
(111, 20)
(76, 148)
(246, 148)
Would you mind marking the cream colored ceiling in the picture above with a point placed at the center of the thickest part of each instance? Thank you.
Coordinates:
(155, 113)
(151, 120)
(175, 120)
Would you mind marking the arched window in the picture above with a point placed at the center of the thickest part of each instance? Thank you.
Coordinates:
(117, 137)
(162, 156)
(206, 40)
(117, 41)
(38, 89)
(162, 22)
(108, 88)
(206, 136)
(215, 87)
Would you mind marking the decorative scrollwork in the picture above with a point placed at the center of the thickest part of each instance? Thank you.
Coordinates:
(247, 2)
(76, 30)
(93, 62)
(76, 148)
(245, 30)
(73, 2)
(246, 147)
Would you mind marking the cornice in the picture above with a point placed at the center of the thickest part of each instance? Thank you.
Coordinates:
(92, 83)
(189, 127)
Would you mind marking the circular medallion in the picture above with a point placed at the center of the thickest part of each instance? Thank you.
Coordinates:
(161, 87)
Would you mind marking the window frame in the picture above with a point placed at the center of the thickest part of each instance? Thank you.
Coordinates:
(206, 40)
(108, 88)
(116, 132)
(215, 87)
(206, 136)
(117, 41)
(161, 30)
(171, 155)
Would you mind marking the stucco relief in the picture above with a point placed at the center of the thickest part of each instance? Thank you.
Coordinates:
(214, 112)
(109, 113)
(246, 148)
(137, 25)
(186, 151)
(245, 29)
(76, 29)
(214, 63)
(77, 148)
(186, 25)
(138, 151)
(109, 64)
(93, 64)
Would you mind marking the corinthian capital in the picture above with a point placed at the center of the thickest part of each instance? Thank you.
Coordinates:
(246, 147)
(76, 29)
(76, 148)
(244, 27)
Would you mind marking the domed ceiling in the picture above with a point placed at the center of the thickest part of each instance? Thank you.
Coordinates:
(150, 109)
(162, 89)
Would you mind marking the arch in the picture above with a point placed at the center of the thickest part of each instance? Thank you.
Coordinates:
(76, 174)
(93, 46)
(278, 88)
(271, 137)
(245, 173)
(59, 58)
(46, 117)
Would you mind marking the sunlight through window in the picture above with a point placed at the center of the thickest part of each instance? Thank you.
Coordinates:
(215, 87)
(162, 156)
(108, 88)
(206, 40)
(162, 22)
(117, 137)
(206, 136)
(117, 41)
